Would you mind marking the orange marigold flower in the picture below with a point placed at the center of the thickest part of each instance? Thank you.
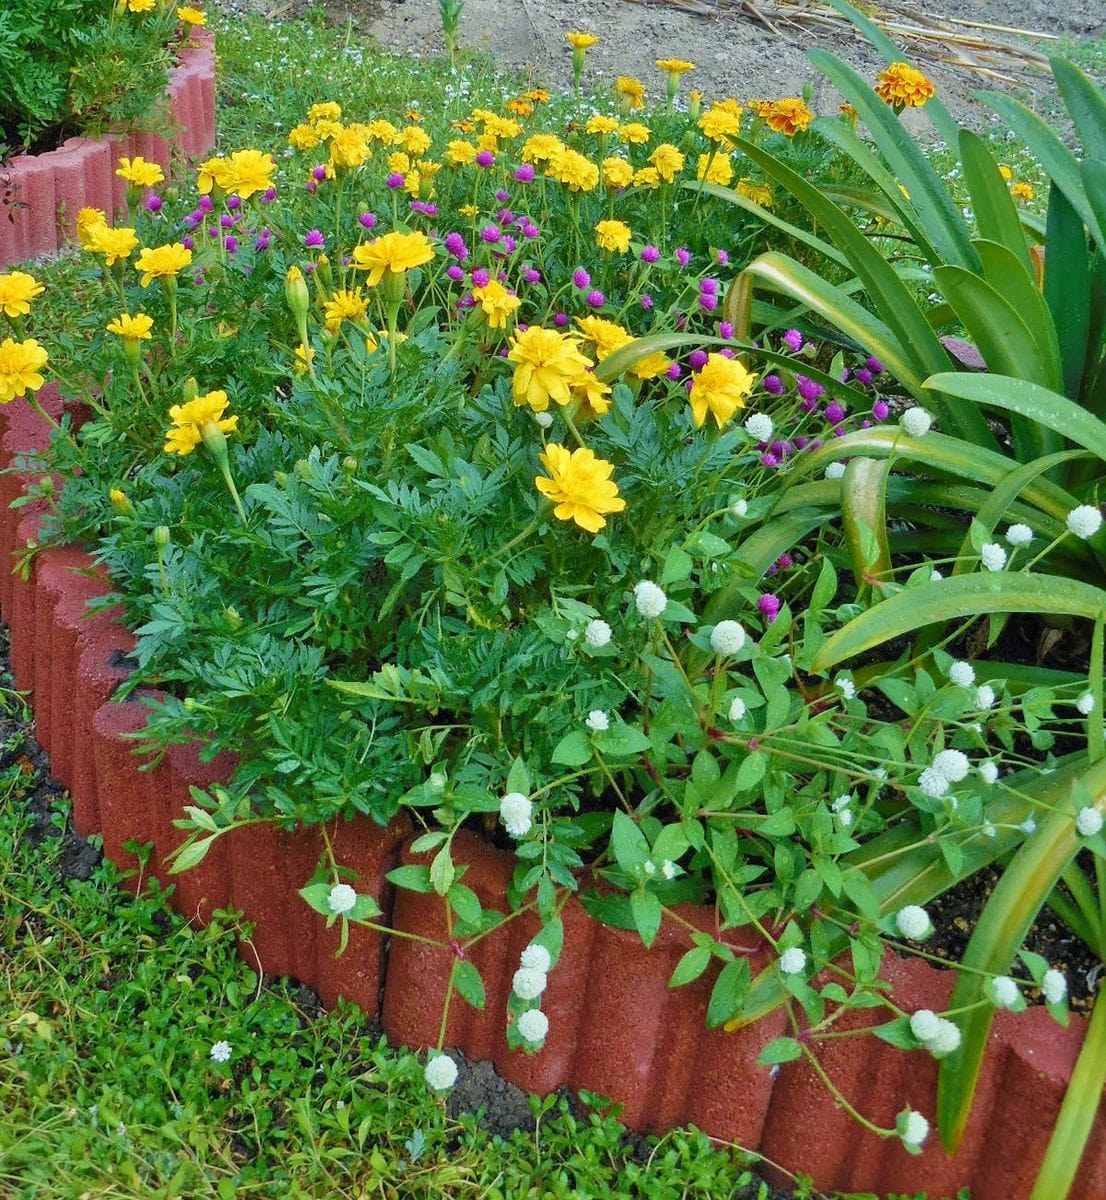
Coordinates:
(789, 116)
(904, 86)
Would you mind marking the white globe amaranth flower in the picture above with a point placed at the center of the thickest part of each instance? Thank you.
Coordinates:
(916, 422)
(913, 922)
(727, 637)
(440, 1073)
(984, 696)
(915, 1130)
(835, 470)
(737, 708)
(1019, 535)
(341, 899)
(597, 634)
(536, 958)
(597, 721)
(793, 960)
(946, 1040)
(544, 419)
(759, 427)
(220, 1052)
(953, 764)
(988, 772)
(649, 598)
(933, 784)
(992, 556)
(924, 1024)
(1054, 985)
(515, 812)
(1004, 991)
(845, 686)
(533, 1025)
(528, 983)
(1088, 822)
(1085, 520)
(1085, 704)
(739, 508)
(962, 674)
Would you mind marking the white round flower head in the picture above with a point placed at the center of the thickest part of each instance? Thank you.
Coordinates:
(845, 686)
(533, 1025)
(916, 422)
(793, 960)
(1005, 991)
(528, 983)
(1019, 535)
(988, 772)
(739, 508)
(932, 783)
(669, 869)
(924, 1024)
(597, 634)
(945, 1040)
(1088, 822)
(842, 802)
(913, 922)
(544, 419)
(440, 1073)
(1028, 826)
(727, 637)
(962, 674)
(597, 721)
(220, 1052)
(1054, 985)
(341, 899)
(845, 816)
(835, 470)
(737, 708)
(649, 598)
(953, 764)
(915, 1130)
(1085, 521)
(1085, 704)
(536, 958)
(759, 427)
(514, 812)
(935, 575)
(984, 696)
(992, 556)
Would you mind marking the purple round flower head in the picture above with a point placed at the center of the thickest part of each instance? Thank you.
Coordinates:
(874, 365)
(809, 406)
(881, 410)
(768, 459)
(681, 322)
(395, 180)
(650, 254)
(770, 605)
(502, 196)
(233, 202)
(268, 195)
(318, 172)
(187, 243)
(314, 240)
(697, 359)
(560, 319)
(725, 330)
(816, 444)
(793, 339)
(213, 231)
(674, 371)
(455, 245)
(801, 443)
(509, 243)
(781, 449)
(455, 272)
(707, 301)
(646, 301)
(688, 385)
(845, 375)
(367, 220)
(773, 385)
(505, 216)
(525, 173)
(501, 276)
(485, 159)
(491, 233)
(530, 230)
(683, 257)
(723, 258)
(502, 352)
(523, 326)
(261, 243)
(784, 561)
(709, 286)
(226, 221)
(308, 268)
(193, 219)
(808, 389)
(311, 187)
(835, 412)
(204, 204)
(531, 275)
(466, 301)
(865, 424)
(838, 431)
(595, 298)
(154, 203)
(581, 278)
(771, 570)
(230, 243)
(863, 376)
(726, 352)
(346, 260)
(422, 206)
(480, 277)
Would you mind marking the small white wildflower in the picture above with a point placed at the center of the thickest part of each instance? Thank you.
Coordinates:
(669, 869)
(953, 764)
(842, 802)
(737, 708)
(597, 634)
(935, 575)
(962, 674)
(1054, 985)
(924, 1024)
(759, 427)
(1005, 991)
(440, 1073)
(533, 1025)
(915, 1129)
(529, 983)
(727, 637)
(945, 1041)
(932, 783)
(988, 772)
(1019, 535)
(341, 899)
(913, 922)
(649, 598)
(1085, 704)
(845, 686)
(597, 721)
(1028, 826)
(984, 696)
(739, 508)
(992, 556)
(1085, 521)
(793, 960)
(220, 1052)
(845, 817)
(514, 812)
(916, 422)
(544, 419)
(1088, 822)
(835, 470)
(536, 958)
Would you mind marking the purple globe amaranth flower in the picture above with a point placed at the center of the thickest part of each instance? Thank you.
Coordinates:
(674, 371)
(531, 275)
(226, 221)
(318, 173)
(213, 231)
(808, 389)
(509, 243)
(874, 365)
(485, 159)
(845, 375)
(838, 431)
(768, 459)
(816, 444)
(154, 203)
(491, 233)
(726, 352)
(581, 278)
(646, 301)
(466, 301)
(204, 204)
(773, 384)
(809, 406)
(697, 359)
(192, 219)
(707, 301)
(311, 187)
(530, 230)
(835, 412)
(863, 376)
(187, 243)
(314, 240)
(595, 298)
(480, 277)
(505, 216)
(367, 220)
(770, 604)
(780, 448)
(424, 207)
(723, 258)
(455, 272)
(683, 257)
(650, 254)
(455, 246)
(881, 410)
(865, 424)
(395, 180)
(560, 319)
(502, 196)
(261, 243)
(725, 330)
(709, 286)
(230, 243)
(784, 561)
(793, 339)
(525, 173)
(801, 443)
(268, 195)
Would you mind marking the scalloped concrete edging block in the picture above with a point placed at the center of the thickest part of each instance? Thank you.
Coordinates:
(41, 194)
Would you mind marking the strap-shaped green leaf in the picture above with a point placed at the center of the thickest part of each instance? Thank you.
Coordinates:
(996, 214)
(1068, 287)
(1086, 104)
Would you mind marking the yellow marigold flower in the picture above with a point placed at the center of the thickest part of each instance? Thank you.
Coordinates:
(605, 336)
(189, 419)
(17, 290)
(617, 172)
(1021, 191)
(538, 95)
(577, 173)
(191, 16)
(304, 358)
(460, 153)
(540, 147)
(496, 302)
(546, 364)
(413, 114)
(674, 66)
(760, 108)
(904, 86)
(139, 172)
(249, 171)
(1005, 172)
(427, 168)
(593, 393)
(119, 501)
(414, 140)
(601, 125)
(303, 137)
(469, 210)
(21, 364)
(345, 305)
(383, 132)
(613, 236)
(579, 486)
(349, 148)
(651, 367)
(720, 388)
(399, 162)
(327, 110)
(631, 91)
(757, 192)
(487, 141)
(139, 6)
(720, 124)
(463, 126)
(113, 244)
(647, 177)
(87, 220)
(848, 111)
(326, 129)
(391, 254)
(789, 116)
(501, 127)
(520, 107)
(667, 160)
(581, 41)
(162, 262)
(212, 173)
(132, 329)
(634, 133)
(715, 168)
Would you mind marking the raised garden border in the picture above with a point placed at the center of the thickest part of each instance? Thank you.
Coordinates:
(615, 1026)
(41, 194)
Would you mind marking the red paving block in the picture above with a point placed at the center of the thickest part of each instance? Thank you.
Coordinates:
(21, 623)
(36, 205)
